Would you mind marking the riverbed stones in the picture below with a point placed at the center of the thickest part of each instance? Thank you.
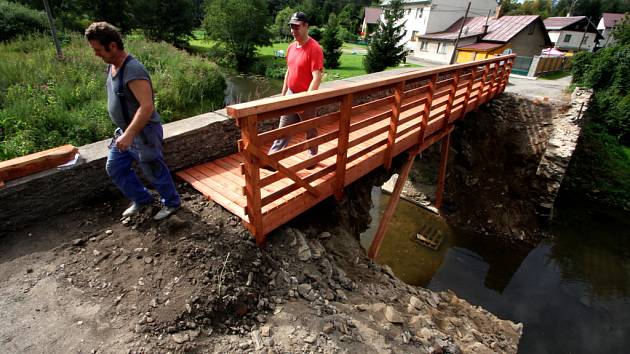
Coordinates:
(392, 315)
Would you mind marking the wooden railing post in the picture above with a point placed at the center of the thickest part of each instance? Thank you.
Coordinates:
(451, 98)
(442, 172)
(427, 108)
(482, 85)
(506, 74)
(342, 146)
(494, 85)
(251, 170)
(473, 77)
(393, 123)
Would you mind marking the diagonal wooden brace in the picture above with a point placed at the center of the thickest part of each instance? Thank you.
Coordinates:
(273, 163)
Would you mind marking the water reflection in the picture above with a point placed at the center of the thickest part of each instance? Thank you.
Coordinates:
(571, 292)
(244, 88)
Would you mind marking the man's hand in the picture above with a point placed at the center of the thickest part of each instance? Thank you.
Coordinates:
(124, 141)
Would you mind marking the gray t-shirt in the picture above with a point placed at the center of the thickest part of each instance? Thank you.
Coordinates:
(134, 70)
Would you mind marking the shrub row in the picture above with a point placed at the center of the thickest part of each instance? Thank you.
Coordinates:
(17, 19)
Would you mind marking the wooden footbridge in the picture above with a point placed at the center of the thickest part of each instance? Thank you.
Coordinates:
(361, 126)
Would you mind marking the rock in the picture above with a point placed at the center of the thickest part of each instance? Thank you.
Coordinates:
(392, 315)
(265, 331)
(78, 242)
(306, 291)
(328, 328)
(325, 235)
(257, 340)
(388, 270)
(148, 260)
(121, 259)
(310, 339)
(304, 253)
(180, 338)
(153, 303)
(415, 302)
(96, 253)
(174, 222)
(108, 232)
(244, 345)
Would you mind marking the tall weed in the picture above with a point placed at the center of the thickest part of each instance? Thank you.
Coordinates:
(46, 102)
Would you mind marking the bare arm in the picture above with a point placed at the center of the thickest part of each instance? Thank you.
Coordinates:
(317, 79)
(141, 89)
(285, 86)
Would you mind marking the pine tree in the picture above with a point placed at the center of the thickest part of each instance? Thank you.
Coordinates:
(385, 48)
(331, 43)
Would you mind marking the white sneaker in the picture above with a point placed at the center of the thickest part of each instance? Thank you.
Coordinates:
(133, 209)
(165, 212)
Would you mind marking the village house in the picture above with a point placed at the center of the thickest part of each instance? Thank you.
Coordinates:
(483, 37)
(605, 27)
(371, 19)
(430, 16)
(572, 34)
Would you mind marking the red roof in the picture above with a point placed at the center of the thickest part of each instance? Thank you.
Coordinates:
(610, 19)
(499, 30)
(482, 46)
(557, 23)
(372, 14)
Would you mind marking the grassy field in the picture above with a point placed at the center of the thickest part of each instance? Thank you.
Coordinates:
(351, 59)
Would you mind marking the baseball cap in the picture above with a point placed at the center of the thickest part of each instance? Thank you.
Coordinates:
(298, 17)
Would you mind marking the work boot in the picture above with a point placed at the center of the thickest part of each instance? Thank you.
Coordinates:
(133, 209)
(164, 213)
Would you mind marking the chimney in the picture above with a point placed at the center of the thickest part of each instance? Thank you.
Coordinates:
(485, 29)
(498, 12)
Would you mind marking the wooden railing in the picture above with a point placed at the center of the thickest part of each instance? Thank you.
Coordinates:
(379, 116)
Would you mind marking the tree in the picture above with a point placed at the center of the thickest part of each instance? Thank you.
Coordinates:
(347, 18)
(171, 21)
(280, 29)
(239, 26)
(385, 49)
(331, 44)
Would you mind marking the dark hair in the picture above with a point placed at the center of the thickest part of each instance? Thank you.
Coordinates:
(105, 34)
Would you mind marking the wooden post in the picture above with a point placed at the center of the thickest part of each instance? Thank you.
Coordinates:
(482, 85)
(427, 109)
(442, 173)
(393, 123)
(506, 78)
(473, 77)
(451, 98)
(494, 85)
(249, 134)
(342, 147)
(391, 205)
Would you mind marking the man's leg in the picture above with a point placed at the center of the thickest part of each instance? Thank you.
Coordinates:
(311, 133)
(151, 161)
(283, 141)
(119, 169)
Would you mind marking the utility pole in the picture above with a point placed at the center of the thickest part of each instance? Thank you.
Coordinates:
(53, 31)
(461, 28)
(588, 22)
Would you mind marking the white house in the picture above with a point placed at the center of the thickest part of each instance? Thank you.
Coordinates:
(431, 16)
(575, 33)
(605, 26)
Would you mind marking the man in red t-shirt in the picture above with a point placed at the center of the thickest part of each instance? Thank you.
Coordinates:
(305, 63)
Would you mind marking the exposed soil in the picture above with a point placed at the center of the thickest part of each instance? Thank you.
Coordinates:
(87, 282)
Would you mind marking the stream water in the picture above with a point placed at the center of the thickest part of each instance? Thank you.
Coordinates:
(243, 87)
(571, 292)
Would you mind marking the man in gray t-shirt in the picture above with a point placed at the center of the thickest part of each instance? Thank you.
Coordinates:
(139, 133)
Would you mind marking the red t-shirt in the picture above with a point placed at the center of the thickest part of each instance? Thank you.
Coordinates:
(302, 61)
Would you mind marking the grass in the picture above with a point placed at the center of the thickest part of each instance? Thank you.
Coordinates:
(351, 64)
(46, 102)
(600, 167)
(555, 75)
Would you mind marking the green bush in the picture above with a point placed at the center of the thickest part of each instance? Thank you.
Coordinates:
(276, 69)
(315, 33)
(17, 19)
(45, 102)
(346, 36)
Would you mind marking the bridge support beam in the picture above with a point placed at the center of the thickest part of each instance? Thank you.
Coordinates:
(393, 202)
(439, 193)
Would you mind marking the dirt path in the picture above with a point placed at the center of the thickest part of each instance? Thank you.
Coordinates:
(85, 282)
